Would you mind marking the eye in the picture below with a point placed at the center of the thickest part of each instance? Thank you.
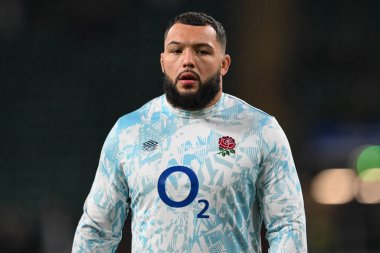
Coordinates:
(176, 51)
(203, 52)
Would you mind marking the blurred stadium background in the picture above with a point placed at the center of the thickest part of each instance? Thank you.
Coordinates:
(69, 69)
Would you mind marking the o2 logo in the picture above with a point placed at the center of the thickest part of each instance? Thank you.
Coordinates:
(193, 189)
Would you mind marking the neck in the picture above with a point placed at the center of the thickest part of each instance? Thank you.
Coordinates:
(215, 100)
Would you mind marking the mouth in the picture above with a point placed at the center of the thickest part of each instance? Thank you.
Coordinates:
(188, 79)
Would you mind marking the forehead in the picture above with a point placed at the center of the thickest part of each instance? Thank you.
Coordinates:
(190, 34)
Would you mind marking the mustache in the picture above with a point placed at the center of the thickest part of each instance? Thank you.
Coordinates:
(187, 71)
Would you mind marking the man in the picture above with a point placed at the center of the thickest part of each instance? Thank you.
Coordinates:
(199, 169)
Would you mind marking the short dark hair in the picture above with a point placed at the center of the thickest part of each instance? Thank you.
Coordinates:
(200, 19)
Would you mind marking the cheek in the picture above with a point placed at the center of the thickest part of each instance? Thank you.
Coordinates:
(168, 67)
(171, 65)
(208, 70)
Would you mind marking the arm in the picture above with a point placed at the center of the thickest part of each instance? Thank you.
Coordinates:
(106, 207)
(280, 194)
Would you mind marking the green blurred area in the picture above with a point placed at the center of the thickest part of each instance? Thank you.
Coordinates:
(368, 163)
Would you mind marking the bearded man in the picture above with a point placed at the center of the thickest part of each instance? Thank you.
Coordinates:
(200, 169)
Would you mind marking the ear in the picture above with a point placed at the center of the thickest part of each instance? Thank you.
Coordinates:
(226, 62)
(162, 63)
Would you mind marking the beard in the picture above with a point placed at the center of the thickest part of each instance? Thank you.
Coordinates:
(194, 101)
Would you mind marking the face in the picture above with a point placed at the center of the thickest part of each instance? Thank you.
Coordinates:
(193, 59)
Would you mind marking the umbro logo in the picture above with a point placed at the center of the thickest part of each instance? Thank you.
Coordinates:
(150, 145)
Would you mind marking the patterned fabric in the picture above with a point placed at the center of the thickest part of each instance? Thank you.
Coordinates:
(166, 165)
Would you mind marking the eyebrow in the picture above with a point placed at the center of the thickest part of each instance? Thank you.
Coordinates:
(195, 45)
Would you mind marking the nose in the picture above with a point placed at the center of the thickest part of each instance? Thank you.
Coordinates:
(188, 59)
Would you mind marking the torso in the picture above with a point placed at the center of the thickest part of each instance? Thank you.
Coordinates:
(186, 194)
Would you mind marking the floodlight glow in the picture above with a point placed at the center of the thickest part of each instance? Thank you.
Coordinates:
(334, 186)
(368, 192)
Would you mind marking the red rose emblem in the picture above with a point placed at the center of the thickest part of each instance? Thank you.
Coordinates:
(226, 142)
(226, 145)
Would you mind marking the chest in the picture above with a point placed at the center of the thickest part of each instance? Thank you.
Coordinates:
(208, 157)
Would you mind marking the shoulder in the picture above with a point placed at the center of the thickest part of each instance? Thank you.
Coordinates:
(250, 114)
(261, 123)
(127, 128)
(145, 114)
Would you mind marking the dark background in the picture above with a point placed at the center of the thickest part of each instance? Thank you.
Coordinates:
(69, 69)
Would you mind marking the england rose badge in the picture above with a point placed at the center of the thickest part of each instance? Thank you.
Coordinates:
(226, 145)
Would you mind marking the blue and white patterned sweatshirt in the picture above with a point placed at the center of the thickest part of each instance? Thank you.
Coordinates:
(201, 181)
